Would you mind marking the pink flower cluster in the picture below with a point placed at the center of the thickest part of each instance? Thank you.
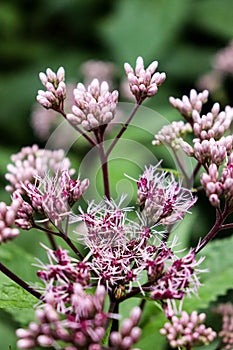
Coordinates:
(143, 82)
(121, 250)
(219, 184)
(172, 135)
(210, 144)
(72, 315)
(177, 280)
(127, 251)
(54, 196)
(188, 104)
(80, 327)
(55, 92)
(161, 198)
(31, 162)
(94, 105)
(188, 331)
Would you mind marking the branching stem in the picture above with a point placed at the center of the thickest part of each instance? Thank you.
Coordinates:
(63, 236)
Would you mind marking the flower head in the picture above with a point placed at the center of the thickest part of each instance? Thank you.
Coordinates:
(172, 134)
(210, 151)
(94, 105)
(144, 82)
(188, 104)
(178, 280)
(54, 196)
(118, 246)
(31, 162)
(188, 330)
(161, 198)
(82, 326)
(59, 277)
(55, 92)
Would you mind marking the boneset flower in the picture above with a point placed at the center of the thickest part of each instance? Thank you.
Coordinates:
(177, 280)
(172, 134)
(187, 105)
(55, 92)
(211, 151)
(45, 121)
(161, 198)
(81, 326)
(54, 196)
(212, 125)
(119, 247)
(59, 277)
(144, 82)
(31, 162)
(188, 330)
(219, 185)
(94, 105)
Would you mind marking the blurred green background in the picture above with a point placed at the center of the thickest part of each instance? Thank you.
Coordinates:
(183, 35)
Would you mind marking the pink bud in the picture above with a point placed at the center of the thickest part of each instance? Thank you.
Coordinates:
(26, 343)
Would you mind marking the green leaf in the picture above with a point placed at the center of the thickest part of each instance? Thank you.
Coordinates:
(15, 304)
(18, 302)
(12, 295)
(219, 279)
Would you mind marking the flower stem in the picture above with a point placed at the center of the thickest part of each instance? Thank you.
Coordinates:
(195, 172)
(19, 281)
(104, 166)
(63, 236)
(115, 322)
(123, 128)
(214, 230)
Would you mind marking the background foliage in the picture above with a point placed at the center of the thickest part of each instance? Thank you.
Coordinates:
(183, 35)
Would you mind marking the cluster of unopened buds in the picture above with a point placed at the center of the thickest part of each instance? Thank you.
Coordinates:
(212, 146)
(94, 106)
(116, 257)
(144, 82)
(226, 333)
(219, 185)
(55, 86)
(188, 331)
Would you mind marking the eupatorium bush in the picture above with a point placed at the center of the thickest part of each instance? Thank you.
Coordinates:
(117, 250)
